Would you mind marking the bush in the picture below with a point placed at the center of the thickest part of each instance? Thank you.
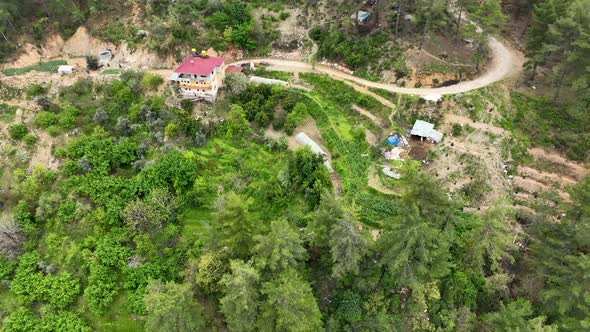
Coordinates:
(67, 117)
(30, 140)
(17, 131)
(92, 63)
(283, 16)
(53, 131)
(457, 129)
(45, 119)
(151, 81)
(35, 90)
(44, 103)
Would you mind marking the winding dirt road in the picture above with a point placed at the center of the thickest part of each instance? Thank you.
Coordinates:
(505, 62)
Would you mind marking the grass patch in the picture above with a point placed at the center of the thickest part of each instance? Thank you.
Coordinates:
(273, 74)
(7, 112)
(111, 71)
(384, 93)
(438, 68)
(547, 124)
(49, 66)
(196, 223)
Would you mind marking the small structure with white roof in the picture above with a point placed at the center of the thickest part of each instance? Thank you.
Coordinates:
(65, 69)
(426, 130)
(360, 16)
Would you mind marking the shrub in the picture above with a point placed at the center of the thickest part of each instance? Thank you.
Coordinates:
(45, 119)
(171, 129)
(457, 129)
(53, 131)
(30, 139)
(186, 105)
(67, 117)
(151, 81)
(283, 16)
(262, 119)
(17, 131)
(35, 90)
(43, 102)
(92, 63)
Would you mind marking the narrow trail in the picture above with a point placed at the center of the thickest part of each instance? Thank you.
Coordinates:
(505, 63)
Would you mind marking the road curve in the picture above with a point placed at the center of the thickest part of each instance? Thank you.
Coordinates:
(504, 62)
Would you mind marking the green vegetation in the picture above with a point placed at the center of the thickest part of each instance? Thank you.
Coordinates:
(550, 125)
(437, 68)
(49, 66)
(111, 71)
(149, 217)
(371, 54)
(17, 131)
(277, 75)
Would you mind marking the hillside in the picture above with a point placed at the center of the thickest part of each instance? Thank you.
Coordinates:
(300, 165)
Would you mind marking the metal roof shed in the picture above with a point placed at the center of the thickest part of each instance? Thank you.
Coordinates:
(361, 16)
(426, 130)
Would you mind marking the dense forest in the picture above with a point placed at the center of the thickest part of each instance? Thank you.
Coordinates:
(166, 215)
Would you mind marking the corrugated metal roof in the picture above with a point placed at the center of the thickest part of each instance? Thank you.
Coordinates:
(426, 129)
(360, 15)
(196, 65)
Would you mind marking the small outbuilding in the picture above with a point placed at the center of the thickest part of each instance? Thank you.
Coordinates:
(425, 130)
(65, 69)
(105, 56)
(360, 16)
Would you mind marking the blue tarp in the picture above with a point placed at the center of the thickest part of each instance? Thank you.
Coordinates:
(393, 140)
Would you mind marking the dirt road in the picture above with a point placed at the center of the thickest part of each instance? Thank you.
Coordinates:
(505, 62)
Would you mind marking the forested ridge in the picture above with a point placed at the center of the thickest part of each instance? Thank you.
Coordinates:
(159, 214)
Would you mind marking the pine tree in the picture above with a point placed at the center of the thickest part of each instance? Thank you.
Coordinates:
(414, 247)
(348, 247)
(289, 305)
(561, 257)
(544, 14)
(235, 225)
(171, 307)
(516, 316)
(240, 303)
(569, 47)
(280, 249)
(490, 240)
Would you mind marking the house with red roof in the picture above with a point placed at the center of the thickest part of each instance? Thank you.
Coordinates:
(198, 77)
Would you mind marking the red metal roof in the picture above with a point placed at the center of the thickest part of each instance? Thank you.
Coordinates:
(233, 69)
(199, 66)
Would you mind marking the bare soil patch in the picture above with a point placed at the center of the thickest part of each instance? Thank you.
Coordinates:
(570, 168)
(42, 153)
(419, 149)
